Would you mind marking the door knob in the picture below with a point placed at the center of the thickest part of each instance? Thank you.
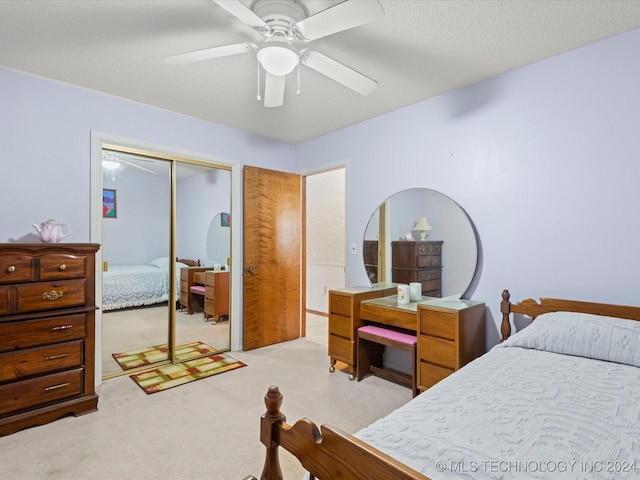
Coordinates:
(249, 269)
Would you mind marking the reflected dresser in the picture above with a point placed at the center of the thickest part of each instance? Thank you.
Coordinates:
(419, 262)
(47, 333)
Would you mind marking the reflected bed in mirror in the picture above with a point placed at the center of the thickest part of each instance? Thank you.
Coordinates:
(395, 221)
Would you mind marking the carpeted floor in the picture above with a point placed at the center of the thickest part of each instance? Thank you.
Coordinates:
(203, 430)
(133, 329)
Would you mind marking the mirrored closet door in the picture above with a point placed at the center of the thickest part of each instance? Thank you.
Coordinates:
(166, 251)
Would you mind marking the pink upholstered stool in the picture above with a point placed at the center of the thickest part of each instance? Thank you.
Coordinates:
(372, 340)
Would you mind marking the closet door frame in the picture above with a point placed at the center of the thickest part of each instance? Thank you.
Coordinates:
(100, 140)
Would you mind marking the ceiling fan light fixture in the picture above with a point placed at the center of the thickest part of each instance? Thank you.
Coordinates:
(278, 59)
(110, 164)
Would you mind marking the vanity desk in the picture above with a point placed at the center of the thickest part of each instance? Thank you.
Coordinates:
(450, 333)
(215, 293)
(344, 321)
(188, 299)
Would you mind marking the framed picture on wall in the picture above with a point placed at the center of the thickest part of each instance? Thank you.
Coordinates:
(225, 219)
(109, 203)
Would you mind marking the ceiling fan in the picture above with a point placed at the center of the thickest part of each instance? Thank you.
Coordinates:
(112, 160)
(286, 26)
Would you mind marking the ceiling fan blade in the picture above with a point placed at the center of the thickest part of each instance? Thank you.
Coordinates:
(137, 166)
(242, 13)
(274, 90)
(342, 16)
(209, 53)
(338, 72)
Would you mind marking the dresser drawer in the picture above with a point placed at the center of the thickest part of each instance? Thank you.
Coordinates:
(429, 275)
(15, 268)
(39, 391)
(39, 360)
(423, 261)
(340, 304)
(429, 249)
(438, 324)
(341, 326)
(34, 333)
(62, 267)
(40, 296)
(437, 351)
(4, 300)
(432, 374)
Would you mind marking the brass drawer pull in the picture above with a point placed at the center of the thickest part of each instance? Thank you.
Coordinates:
(12, 268)
(62, 267)
(61, 327)
(52, 295)
(54, 387)
(55, 357)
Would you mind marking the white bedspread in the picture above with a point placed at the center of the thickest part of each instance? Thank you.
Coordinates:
(522, 412)
(134, 285)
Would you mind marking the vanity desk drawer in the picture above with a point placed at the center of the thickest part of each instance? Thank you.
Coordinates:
(438, 324)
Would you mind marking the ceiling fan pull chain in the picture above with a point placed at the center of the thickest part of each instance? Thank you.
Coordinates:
(298, 92)
(259, 81)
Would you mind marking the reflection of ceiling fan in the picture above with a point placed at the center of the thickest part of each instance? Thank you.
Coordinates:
(285, 25)
(112, 160)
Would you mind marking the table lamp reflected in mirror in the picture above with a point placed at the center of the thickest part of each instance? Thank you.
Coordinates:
(423, 227)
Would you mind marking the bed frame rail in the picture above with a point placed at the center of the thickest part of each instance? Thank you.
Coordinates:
(327, 453)
(531, 308)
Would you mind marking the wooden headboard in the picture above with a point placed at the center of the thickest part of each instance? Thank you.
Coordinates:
(531, 308)
(186, 261)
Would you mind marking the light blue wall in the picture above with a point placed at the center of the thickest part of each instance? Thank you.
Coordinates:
(545, 159)
(45, 136)
(140, 232)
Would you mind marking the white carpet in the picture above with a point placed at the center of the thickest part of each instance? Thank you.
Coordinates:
(206, 430)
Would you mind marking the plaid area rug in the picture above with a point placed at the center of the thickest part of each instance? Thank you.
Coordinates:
(158, 353)
(170, 376)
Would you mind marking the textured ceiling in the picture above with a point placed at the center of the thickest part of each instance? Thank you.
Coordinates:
(417, 50)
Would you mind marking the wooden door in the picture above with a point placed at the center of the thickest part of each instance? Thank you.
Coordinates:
(272, 269)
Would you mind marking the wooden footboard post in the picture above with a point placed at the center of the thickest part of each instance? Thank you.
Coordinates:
(268, 426)
(505, 308)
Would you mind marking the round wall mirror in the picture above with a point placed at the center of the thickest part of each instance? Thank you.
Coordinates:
(219, 240)
(393, 225)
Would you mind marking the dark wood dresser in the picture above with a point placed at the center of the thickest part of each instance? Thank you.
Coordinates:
(370, 257)
(47, 333)
(419, 262)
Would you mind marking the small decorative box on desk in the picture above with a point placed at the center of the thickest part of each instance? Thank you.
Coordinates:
(47, 333)
(344, 321)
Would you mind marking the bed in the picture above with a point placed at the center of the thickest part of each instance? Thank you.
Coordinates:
(140, 285)
(558, 399)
